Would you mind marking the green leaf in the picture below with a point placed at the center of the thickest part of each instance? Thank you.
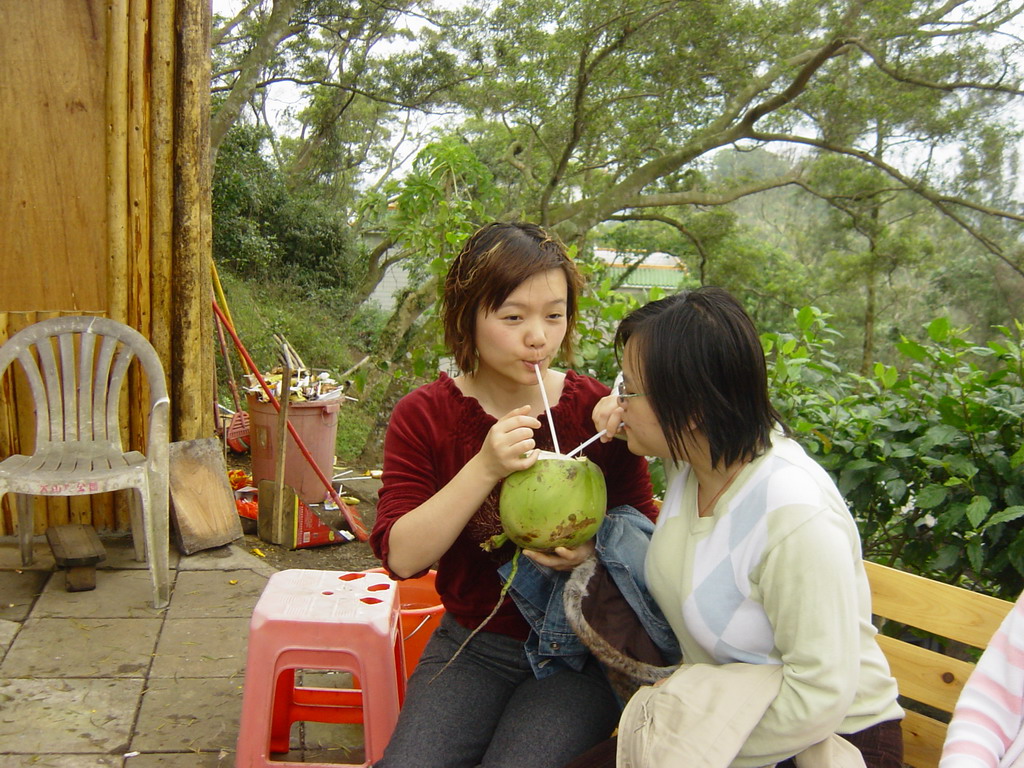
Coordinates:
(961, 465)
(858, 464)
(1018, 457)
(946, 558)
(897, 490)
(939, 434)
(1016, 552)
(938, 329)
(805, 318)
(977, 510)
(974, 554)
(891, 376)
(931, 496)
(1004, 516)
(912, 349)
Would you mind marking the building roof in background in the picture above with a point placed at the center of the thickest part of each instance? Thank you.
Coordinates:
(661, 270)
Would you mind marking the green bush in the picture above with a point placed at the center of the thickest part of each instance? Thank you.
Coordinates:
(928, 454)
(264, 229)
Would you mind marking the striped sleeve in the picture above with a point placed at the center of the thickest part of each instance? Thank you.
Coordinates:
(987, 724)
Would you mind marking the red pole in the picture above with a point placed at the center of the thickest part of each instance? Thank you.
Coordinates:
(350, 514)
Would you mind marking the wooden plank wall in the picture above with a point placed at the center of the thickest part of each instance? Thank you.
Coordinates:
(104, 212)
(52, 212)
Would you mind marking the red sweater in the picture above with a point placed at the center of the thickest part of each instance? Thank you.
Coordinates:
(434, 431)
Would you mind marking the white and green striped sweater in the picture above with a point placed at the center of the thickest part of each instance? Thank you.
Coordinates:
(774, 576)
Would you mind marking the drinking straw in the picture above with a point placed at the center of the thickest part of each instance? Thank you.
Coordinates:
(547, 406)
(584, 444)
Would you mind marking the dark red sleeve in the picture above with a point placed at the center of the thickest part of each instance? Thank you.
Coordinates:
(409, 471)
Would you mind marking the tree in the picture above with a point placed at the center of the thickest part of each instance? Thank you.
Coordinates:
(264, 229)
(358, 63)
(585, 114)
(608, 108)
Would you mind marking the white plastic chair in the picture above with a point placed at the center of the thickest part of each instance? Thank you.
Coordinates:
(76, 368)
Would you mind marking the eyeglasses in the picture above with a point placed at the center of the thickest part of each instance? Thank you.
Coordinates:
(624, 395)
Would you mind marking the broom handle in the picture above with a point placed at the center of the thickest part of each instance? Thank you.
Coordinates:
(232, 384)
(225, 316)
(282, 441)
(350, 514)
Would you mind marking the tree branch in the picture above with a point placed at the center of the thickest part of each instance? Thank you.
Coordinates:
(425, 98)
(217, 35)
(584, 73)
(1014, 90)
(798, 85)
(277, 29)
(584, 76)
(941, 202)
(723, 130)
(707, 199)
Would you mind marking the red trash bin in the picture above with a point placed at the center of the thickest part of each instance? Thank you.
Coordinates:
(316, 423)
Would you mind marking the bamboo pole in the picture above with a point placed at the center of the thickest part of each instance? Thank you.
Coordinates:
(161, 150)
(137, 139)
(161, 144)
(118, 278)
(139, 98)
(8, 431)
(208, 359)
(193, 332)
(117, 159)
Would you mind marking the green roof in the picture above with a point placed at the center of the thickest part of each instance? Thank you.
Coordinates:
(646, 276)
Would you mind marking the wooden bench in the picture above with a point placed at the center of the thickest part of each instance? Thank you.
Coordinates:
(926, 677)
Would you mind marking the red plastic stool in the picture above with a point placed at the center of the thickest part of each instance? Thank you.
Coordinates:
(321, 620)
(421, 614)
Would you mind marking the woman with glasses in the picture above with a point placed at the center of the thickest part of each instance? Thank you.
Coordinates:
(755, 560)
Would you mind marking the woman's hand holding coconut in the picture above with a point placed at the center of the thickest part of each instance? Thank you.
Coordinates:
(562, 558)
(420, 538)
(509, 446)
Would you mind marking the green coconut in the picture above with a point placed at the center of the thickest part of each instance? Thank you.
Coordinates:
(557, 502)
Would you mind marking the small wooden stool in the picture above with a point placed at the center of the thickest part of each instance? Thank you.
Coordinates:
(77, 549)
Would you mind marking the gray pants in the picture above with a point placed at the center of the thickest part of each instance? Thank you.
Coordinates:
(487, 709)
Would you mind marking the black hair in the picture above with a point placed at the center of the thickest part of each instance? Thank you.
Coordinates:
(702, 367)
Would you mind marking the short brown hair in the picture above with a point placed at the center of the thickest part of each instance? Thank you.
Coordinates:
(493, 262)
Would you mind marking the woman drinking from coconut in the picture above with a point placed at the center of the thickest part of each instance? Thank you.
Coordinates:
(508, 309)
(755, 561)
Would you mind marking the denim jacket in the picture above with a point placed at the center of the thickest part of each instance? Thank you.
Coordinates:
(621, 545)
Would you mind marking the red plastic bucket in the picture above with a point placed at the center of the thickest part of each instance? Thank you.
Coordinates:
(420, 614)
(316, 423)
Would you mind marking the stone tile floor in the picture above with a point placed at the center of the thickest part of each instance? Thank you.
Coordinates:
(99, 678)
